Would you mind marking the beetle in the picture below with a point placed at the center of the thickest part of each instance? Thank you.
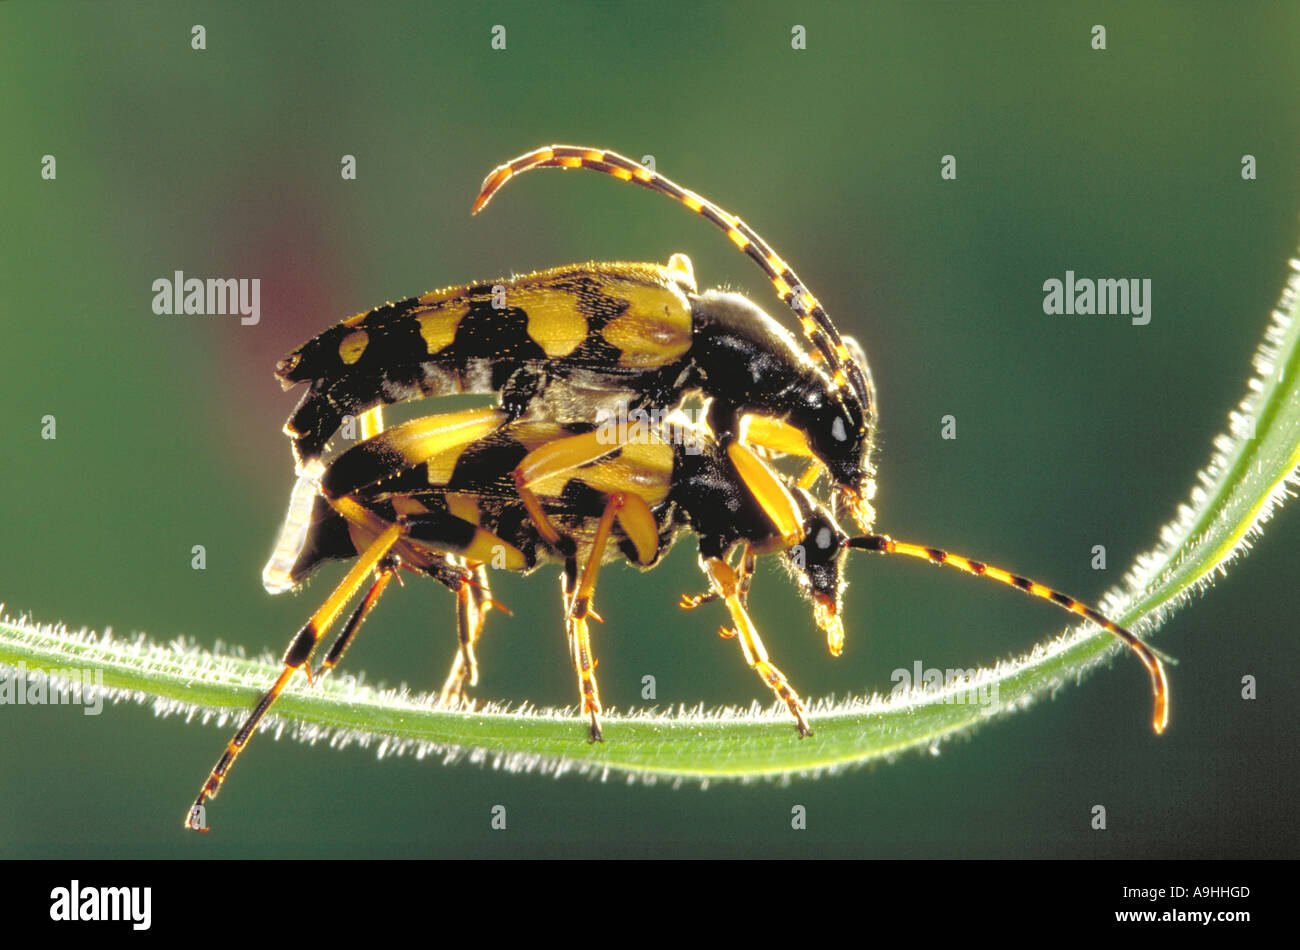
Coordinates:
(449, 494)
(565, 343)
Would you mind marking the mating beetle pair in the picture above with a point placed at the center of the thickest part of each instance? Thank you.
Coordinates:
(537, 478)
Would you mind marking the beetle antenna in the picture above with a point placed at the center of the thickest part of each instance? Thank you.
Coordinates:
(884, 544)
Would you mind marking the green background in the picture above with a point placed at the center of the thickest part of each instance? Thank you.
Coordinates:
(1072, 431)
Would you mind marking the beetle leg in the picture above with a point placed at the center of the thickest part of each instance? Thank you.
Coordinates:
(775, 435)
(556, 458)
(727, 584)
(370, 423)
(296, 657)
(748, 561)
(769, 491)
(463, 548)
(578, 608)
(473, 601)
(386, 572)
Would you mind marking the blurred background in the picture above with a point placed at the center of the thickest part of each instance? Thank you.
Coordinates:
(1072, 431)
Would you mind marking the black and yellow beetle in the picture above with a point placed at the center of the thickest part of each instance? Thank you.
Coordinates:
(451, 494)
(565, 343)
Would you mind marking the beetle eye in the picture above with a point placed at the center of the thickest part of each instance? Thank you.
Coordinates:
(838, 430)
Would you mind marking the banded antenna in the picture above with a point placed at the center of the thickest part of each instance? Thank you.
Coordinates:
(813, 319)
(884, 544)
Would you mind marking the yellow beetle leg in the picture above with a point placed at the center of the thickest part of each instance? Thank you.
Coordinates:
(769, 492)
(296, 657)
(727, 584)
